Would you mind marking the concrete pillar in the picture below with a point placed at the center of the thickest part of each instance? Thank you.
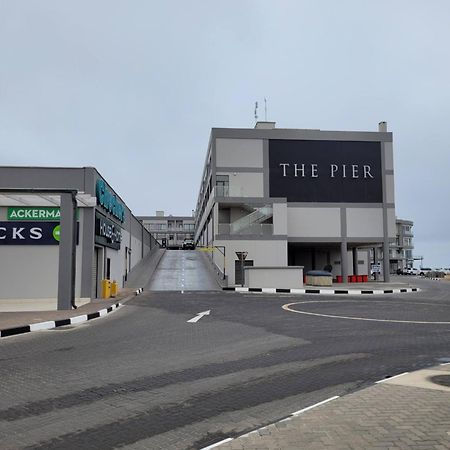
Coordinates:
(355, 260)
(386, 268)
(67, 252)
(344, 262)
(87, 255)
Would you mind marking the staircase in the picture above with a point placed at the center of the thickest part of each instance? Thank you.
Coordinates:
(258, 216)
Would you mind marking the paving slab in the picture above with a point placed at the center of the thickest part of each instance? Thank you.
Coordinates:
(406, 412)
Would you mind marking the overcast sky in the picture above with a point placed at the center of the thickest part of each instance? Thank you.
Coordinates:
(134, 87)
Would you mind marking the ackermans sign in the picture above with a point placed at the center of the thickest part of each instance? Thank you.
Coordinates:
(34, 213)
(325, 171)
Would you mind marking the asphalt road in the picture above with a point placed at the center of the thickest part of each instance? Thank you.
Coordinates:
(145, 378)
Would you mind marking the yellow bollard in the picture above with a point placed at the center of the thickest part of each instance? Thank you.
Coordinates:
(114, 288)
(106, 289)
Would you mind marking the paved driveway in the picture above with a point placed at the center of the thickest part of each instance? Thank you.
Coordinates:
(145, 378)
(182, 270)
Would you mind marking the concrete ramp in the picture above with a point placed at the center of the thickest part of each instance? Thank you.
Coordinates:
(182, 270)
(141, 275)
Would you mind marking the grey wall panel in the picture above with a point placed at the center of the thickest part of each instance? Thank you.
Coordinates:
(42, 178)
(364, 222)
(312, 222)
(283, 133)
(239, 152)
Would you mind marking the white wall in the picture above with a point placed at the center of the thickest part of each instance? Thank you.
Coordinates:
(239, 152)
(264, 253)
(31, 271)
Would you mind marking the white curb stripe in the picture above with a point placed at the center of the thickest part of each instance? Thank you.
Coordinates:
(78, 319)
(217, 444)
(327, 291)
(391, 378)
(301, 411)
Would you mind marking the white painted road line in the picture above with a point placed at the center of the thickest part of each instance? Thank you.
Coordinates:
(199, 316)
(391, 378)
(217, 444)
(301, 411)
(288, 307)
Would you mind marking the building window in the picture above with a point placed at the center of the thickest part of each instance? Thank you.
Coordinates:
(222, 185)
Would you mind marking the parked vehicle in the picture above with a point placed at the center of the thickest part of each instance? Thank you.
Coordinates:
(188, 244)
(424, 271)
(412, 271)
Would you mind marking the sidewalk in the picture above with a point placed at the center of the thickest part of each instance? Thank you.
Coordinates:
(18, 319)
(404, 412)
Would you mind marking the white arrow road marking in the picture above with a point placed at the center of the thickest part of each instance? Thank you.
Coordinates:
(199, 316)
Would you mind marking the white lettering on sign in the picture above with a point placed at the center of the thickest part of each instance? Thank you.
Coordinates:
(2, 236)
(16, 232)
(301, 170)
(36, 233)
(284, 168)
(367, 172)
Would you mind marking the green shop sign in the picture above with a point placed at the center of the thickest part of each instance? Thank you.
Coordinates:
(107, 200)
(29, 213)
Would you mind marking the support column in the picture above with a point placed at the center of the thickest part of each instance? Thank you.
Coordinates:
(87, 215)
(375, 261)
(344, 262)
(355, 260)
(386, 268)
(67, 252)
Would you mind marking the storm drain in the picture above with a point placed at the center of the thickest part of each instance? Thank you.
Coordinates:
(441, 380)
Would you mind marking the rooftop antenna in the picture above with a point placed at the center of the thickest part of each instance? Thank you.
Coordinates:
(265, 109)
(256, 111)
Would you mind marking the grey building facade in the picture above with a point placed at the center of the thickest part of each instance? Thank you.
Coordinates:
(401, 251)
(110, 240)
(170, 231)
(293, 197)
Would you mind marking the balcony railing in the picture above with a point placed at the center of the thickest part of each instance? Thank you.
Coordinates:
(259, 229)
(231, 191)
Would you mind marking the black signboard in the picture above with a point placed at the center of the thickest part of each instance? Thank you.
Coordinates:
(107, 232)
(30, 233)
(325, 171)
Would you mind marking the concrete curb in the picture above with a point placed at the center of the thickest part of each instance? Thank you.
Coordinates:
(138, 291)
(322, 291)
(57, 323)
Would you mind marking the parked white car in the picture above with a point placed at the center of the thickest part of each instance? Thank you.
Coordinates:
(424, 270)
(412, 271)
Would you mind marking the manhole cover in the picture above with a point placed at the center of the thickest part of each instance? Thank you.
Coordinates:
(442, 380)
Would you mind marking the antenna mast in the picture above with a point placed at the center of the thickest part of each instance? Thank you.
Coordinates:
(256, 111)
(265, 109)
